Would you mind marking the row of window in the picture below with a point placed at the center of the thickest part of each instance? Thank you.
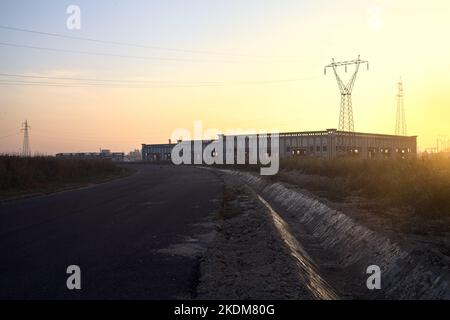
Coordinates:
(303, 150)
(300, 151)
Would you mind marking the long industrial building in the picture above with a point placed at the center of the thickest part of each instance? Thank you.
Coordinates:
(327, 144)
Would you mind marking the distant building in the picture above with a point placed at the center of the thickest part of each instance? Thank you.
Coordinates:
(118, 156)
(134, 156)
(103, 154)
(157, 152)
(328, 144)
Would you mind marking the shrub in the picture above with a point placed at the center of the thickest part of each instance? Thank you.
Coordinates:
(423, 184)
(18, 173)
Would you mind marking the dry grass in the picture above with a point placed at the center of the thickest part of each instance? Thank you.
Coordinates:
(20, 175)
(423, 185)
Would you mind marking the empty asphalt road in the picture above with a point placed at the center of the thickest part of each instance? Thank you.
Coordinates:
(112, 232)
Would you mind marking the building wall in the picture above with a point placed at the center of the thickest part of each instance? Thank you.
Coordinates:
(327, 144)
(163, 152)
(156, 152)
(332, 143)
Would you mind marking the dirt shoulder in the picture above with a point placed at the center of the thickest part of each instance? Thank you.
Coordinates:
(247, 259)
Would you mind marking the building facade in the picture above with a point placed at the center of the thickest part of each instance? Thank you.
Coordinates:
(332, 143)
(328, 144)
(157, 152)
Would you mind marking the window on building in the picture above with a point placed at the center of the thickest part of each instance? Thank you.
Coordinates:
(324, 148)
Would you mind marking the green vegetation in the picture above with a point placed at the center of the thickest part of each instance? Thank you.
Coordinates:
(423, 185)
(19, 175)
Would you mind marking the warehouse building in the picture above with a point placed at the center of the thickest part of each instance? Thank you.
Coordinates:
(332, 143)
(327, 144)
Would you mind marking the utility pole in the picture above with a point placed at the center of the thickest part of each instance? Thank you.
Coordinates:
(26, 151)
(442, 144)
(346, 110)
(400, 121)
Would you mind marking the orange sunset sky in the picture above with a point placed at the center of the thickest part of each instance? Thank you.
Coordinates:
(219, 62)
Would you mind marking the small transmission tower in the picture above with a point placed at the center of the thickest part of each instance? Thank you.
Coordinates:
(400, 121)
(443, 143)
(346, 111)
(26, 151)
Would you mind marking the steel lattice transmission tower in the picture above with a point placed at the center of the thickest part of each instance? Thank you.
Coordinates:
(400, 121)
(26, 151)
(443, 143)
(346, 110)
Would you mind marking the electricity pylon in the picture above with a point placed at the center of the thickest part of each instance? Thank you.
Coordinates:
(400, 121)
(443, 143)
(346, 110)
(26, 151)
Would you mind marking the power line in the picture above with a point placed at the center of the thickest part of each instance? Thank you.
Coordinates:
(2, 81)
(24, 83)
(43, 84)
(58, 35)
(66, 135)
(111, 54)
(99, 85)
(10, 135)
(18, 82)
(40, 85)
(153, 81)
(114, 55)
(99, 80)
(58, 135)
